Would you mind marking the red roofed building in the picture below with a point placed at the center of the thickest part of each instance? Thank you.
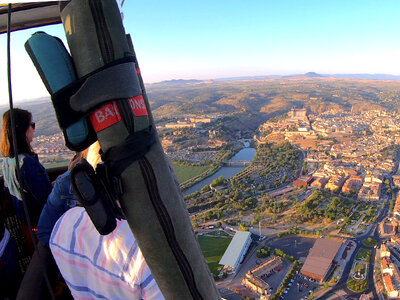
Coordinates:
(320, 259)
(354, 182)
(388, 282)
(386, 268)
(335, 183)
(303, 180)
(319, 182)
(348, 172)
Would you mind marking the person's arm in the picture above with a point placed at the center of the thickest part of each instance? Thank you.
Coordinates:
(52, 211)
(58, 202)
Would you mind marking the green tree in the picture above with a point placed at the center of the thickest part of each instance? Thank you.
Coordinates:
(242, 227)
(206, 188)
(218, 181)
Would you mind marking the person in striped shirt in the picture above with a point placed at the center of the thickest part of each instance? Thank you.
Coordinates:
(98, 266)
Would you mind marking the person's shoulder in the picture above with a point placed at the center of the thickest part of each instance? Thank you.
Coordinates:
(63, 177)
(30, 162)
(25, 158)
(7, 161)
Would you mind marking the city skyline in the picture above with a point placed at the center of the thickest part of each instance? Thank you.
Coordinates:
(208, 40)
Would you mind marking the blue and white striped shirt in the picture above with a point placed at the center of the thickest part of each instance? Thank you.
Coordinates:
(100, 267)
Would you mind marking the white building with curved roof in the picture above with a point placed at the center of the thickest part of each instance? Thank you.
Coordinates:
(236, 250)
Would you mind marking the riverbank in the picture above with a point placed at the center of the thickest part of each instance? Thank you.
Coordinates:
(198, 182)
(215, 167)
(192, 181)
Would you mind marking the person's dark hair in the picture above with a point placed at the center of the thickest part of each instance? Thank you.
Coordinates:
(23, 120)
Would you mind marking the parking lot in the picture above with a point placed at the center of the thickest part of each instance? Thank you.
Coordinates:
(294, 245)
(300, 288)
(276, 277)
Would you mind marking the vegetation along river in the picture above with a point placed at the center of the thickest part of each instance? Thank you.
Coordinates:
(246, 154)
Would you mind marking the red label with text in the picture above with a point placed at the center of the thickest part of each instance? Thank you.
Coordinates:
(105, 117)
(138, 106)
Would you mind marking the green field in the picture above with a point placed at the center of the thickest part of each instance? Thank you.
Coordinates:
(218, 233)
(186, 172)
(363, 255)
(369, 242)
(213, 248)
(357, 285)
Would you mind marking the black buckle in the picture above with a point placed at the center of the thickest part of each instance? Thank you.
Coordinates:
(114, 187)
(95, 197)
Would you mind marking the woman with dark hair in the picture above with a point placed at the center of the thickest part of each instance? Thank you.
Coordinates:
(35, 182)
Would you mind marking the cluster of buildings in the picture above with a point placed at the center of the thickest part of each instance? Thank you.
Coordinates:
(348, 182)
(51, 144)
(351, 179)
(198, 145)
(352, 149)
(319, 264)
(297, 121)
(339, 123)
(52, 148)
(372, 121)
(189, 122)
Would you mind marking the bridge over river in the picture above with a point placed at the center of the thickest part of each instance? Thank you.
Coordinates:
(236, 163)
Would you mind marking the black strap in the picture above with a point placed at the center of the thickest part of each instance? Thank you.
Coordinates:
(66, 115)
(135, 146)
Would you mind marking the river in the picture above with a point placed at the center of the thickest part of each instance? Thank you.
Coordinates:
(246, 154)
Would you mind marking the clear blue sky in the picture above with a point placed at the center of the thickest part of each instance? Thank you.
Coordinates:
(226, 38)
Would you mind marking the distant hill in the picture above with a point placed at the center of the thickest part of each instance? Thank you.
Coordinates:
(43, 114)
(252, 101)
(314, 91)
(306, 75)
(312, 74)
(175, 82)
(316, 75)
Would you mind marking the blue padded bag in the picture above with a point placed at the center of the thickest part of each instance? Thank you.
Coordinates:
(56, 69)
